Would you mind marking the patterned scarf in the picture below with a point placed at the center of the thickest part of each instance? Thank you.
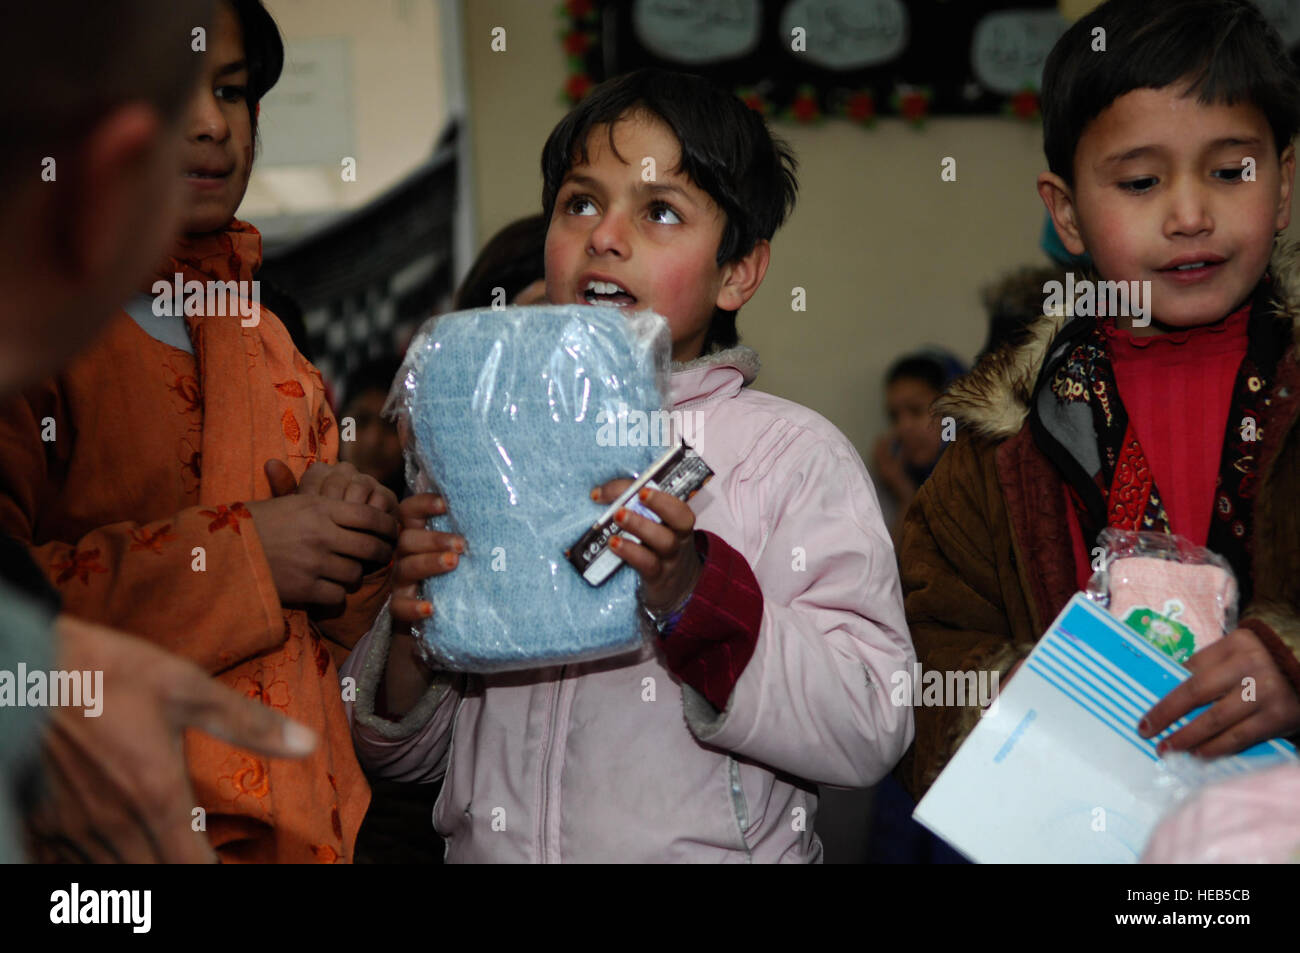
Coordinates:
(1080, 423)
(232, 254)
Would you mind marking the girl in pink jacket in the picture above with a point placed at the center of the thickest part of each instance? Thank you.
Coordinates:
(774, 592)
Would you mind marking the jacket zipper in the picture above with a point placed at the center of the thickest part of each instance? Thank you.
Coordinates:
(445, 792)
(546, 762)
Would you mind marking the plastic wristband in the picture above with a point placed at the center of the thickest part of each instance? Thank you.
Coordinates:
(664, 620)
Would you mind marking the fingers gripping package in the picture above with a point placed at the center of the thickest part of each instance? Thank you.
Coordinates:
(1178, 596)
(501, 413)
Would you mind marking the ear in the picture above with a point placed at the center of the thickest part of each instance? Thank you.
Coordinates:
(741, 278)
(1059, 199)
(1286, 182)
(109, 179)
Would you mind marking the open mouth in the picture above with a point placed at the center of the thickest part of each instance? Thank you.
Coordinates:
(607, 293)
(1193, 269)
(206, 175)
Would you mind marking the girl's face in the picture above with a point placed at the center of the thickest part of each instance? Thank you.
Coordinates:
(218, 130)
(377, 451)
(908, 400)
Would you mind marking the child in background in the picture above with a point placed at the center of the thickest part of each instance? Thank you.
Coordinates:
(1097, 422)
(1013, 301)
(907, 453)
(774, 593)
(509, 269)
(377, 449)
(151, 508)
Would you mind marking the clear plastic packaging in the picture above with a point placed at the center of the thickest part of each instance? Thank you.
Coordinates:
(512, 416)
(1253, 817)
(1178, 596)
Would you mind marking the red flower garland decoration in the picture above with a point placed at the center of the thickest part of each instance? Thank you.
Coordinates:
(804, 109)
(913, 104)
(1024, 104)
(861, 107)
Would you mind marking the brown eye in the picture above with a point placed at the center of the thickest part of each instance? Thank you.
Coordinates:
(575, 205)
(1137, 186)
(663, 209)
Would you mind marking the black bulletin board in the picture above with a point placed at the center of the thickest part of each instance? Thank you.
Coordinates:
(862, 59)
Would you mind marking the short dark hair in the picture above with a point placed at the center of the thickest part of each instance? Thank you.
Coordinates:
(68, 63)
(1226, 48)
(512, 260)
(932, 366)
(376, 374)
(727, 150)
(1013, 302)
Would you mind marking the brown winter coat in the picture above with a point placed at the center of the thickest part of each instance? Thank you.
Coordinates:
(987, 560)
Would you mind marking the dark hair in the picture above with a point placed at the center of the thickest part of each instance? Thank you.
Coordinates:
(377, 374)
(934, 367)
(263, 51)
(68, 63)
(1013, 302)
(1226, 48)
(512, 260)
(726, 150)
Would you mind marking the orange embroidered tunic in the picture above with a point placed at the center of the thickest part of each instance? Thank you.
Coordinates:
(128, 476)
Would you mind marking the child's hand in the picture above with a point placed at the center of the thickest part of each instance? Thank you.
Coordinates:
(1238, 719)
(666, 558)
(421, 553)
(888, 465)
(337, 481)
(317, 547)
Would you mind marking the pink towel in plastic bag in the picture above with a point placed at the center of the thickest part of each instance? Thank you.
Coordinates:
(1178, 606)
(1251, 819)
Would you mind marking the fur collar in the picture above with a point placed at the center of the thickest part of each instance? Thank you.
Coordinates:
(993, 399)
(741, 357)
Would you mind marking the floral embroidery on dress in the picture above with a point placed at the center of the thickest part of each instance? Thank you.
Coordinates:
(224, 516)
(191, 460)
(271, 691)
(80, 565)
(152, 540)
(292, 432)
(186, 388)
(249, 779)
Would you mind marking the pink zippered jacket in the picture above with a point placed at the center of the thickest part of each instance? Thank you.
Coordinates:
(616, 760)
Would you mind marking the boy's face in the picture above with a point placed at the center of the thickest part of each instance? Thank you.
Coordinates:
(655, 238)
(1159, 184)
(218, 130)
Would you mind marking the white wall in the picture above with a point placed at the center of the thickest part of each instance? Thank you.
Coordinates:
(890, 256)
(393, 104)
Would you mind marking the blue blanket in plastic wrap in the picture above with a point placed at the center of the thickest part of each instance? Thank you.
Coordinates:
(504, 409)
